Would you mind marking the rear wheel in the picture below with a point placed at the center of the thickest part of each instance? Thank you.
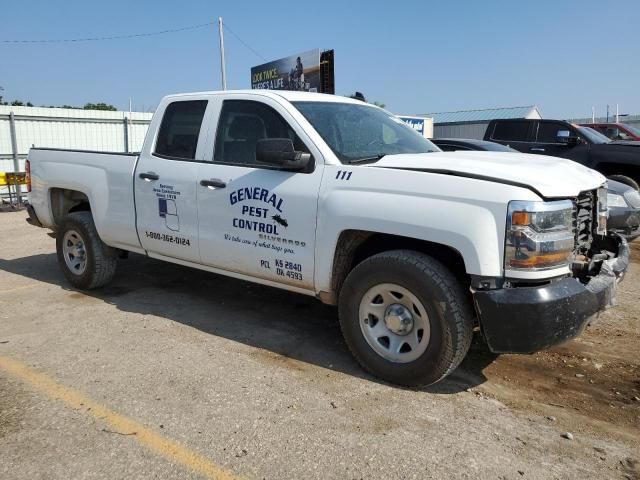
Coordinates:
(405, 317)
(86, 261)
(626, 180)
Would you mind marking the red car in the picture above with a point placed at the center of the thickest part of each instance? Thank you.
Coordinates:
(616, 131)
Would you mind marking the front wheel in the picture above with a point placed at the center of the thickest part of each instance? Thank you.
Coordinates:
(85, 260)
(405, 317)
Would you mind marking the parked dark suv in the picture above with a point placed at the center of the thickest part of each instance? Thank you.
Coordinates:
(616, 159)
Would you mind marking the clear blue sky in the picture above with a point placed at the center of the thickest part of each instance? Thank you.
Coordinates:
(415, 56)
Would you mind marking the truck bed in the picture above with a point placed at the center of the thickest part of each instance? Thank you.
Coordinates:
(106, 178)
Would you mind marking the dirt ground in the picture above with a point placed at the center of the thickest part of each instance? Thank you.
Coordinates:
(592, 382)
(258, 382)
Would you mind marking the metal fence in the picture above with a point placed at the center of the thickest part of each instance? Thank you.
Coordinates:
(633, 120)
(24, 127)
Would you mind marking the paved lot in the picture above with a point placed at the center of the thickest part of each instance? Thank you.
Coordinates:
(176, 373)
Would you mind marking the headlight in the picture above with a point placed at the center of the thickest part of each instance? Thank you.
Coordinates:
(632, 197)
(539, 236)
(614, 200)
(603, 211)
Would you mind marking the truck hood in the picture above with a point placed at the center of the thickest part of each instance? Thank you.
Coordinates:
(548, 176)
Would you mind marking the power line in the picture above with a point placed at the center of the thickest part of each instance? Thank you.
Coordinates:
(226, 27)
(113, 37)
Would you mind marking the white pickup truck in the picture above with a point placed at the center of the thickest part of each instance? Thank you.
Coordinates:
(334, 198)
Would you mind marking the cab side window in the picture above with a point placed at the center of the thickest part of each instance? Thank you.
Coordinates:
(515, 131)
(242, 123)
(180, 129)
(548, 131)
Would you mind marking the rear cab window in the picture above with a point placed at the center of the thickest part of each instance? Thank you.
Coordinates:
(180, 129)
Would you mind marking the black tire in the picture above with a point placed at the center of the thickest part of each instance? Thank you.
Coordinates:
(444, 299)
(626, 180)
(101, 259)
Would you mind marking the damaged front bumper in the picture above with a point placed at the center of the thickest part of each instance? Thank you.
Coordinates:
(529, 319)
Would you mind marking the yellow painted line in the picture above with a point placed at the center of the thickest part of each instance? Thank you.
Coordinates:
(169, 449)
(24, 287)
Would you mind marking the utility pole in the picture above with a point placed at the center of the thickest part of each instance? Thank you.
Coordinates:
(617, 113)
(593, 114)
(222, 69)
(607, 113)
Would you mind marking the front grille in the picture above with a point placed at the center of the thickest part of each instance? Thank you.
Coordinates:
(584, 221)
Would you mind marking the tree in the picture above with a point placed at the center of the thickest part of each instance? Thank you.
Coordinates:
(87, 106)
(99, 106)
(16, 103)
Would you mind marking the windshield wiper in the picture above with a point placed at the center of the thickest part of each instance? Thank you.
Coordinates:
(373, 158)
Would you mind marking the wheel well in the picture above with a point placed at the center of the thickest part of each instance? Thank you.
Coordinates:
(354, 246)
(65, 201)
(607, 169)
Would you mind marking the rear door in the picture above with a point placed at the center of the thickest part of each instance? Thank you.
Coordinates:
(517, 134)
(255, 219)
(166, 183)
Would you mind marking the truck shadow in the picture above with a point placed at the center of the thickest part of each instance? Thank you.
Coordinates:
(287, 324)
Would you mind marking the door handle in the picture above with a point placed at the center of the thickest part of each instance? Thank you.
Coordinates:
(534, 149)
(213, 183)
(148, 176)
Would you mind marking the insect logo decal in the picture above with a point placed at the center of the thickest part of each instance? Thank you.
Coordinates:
(278, 219)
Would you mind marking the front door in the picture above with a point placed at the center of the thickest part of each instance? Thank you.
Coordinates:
(255, 219)
(547, 142)
(166, 185)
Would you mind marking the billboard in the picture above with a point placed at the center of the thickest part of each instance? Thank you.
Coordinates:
(297, 72)
(422, 125)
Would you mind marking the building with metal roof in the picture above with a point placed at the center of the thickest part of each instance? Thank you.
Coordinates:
(473, 123)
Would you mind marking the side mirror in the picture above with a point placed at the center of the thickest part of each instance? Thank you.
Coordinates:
(279, 152)
(564, 136)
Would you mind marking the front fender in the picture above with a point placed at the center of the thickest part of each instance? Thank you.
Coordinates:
(467, 215)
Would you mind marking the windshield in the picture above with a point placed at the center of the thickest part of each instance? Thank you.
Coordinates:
(592, 135)
(362, 132)
(632, 129)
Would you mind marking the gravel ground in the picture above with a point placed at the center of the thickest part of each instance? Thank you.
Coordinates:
(258, 382)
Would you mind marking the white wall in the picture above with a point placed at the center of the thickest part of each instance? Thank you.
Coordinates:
(68, 128)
